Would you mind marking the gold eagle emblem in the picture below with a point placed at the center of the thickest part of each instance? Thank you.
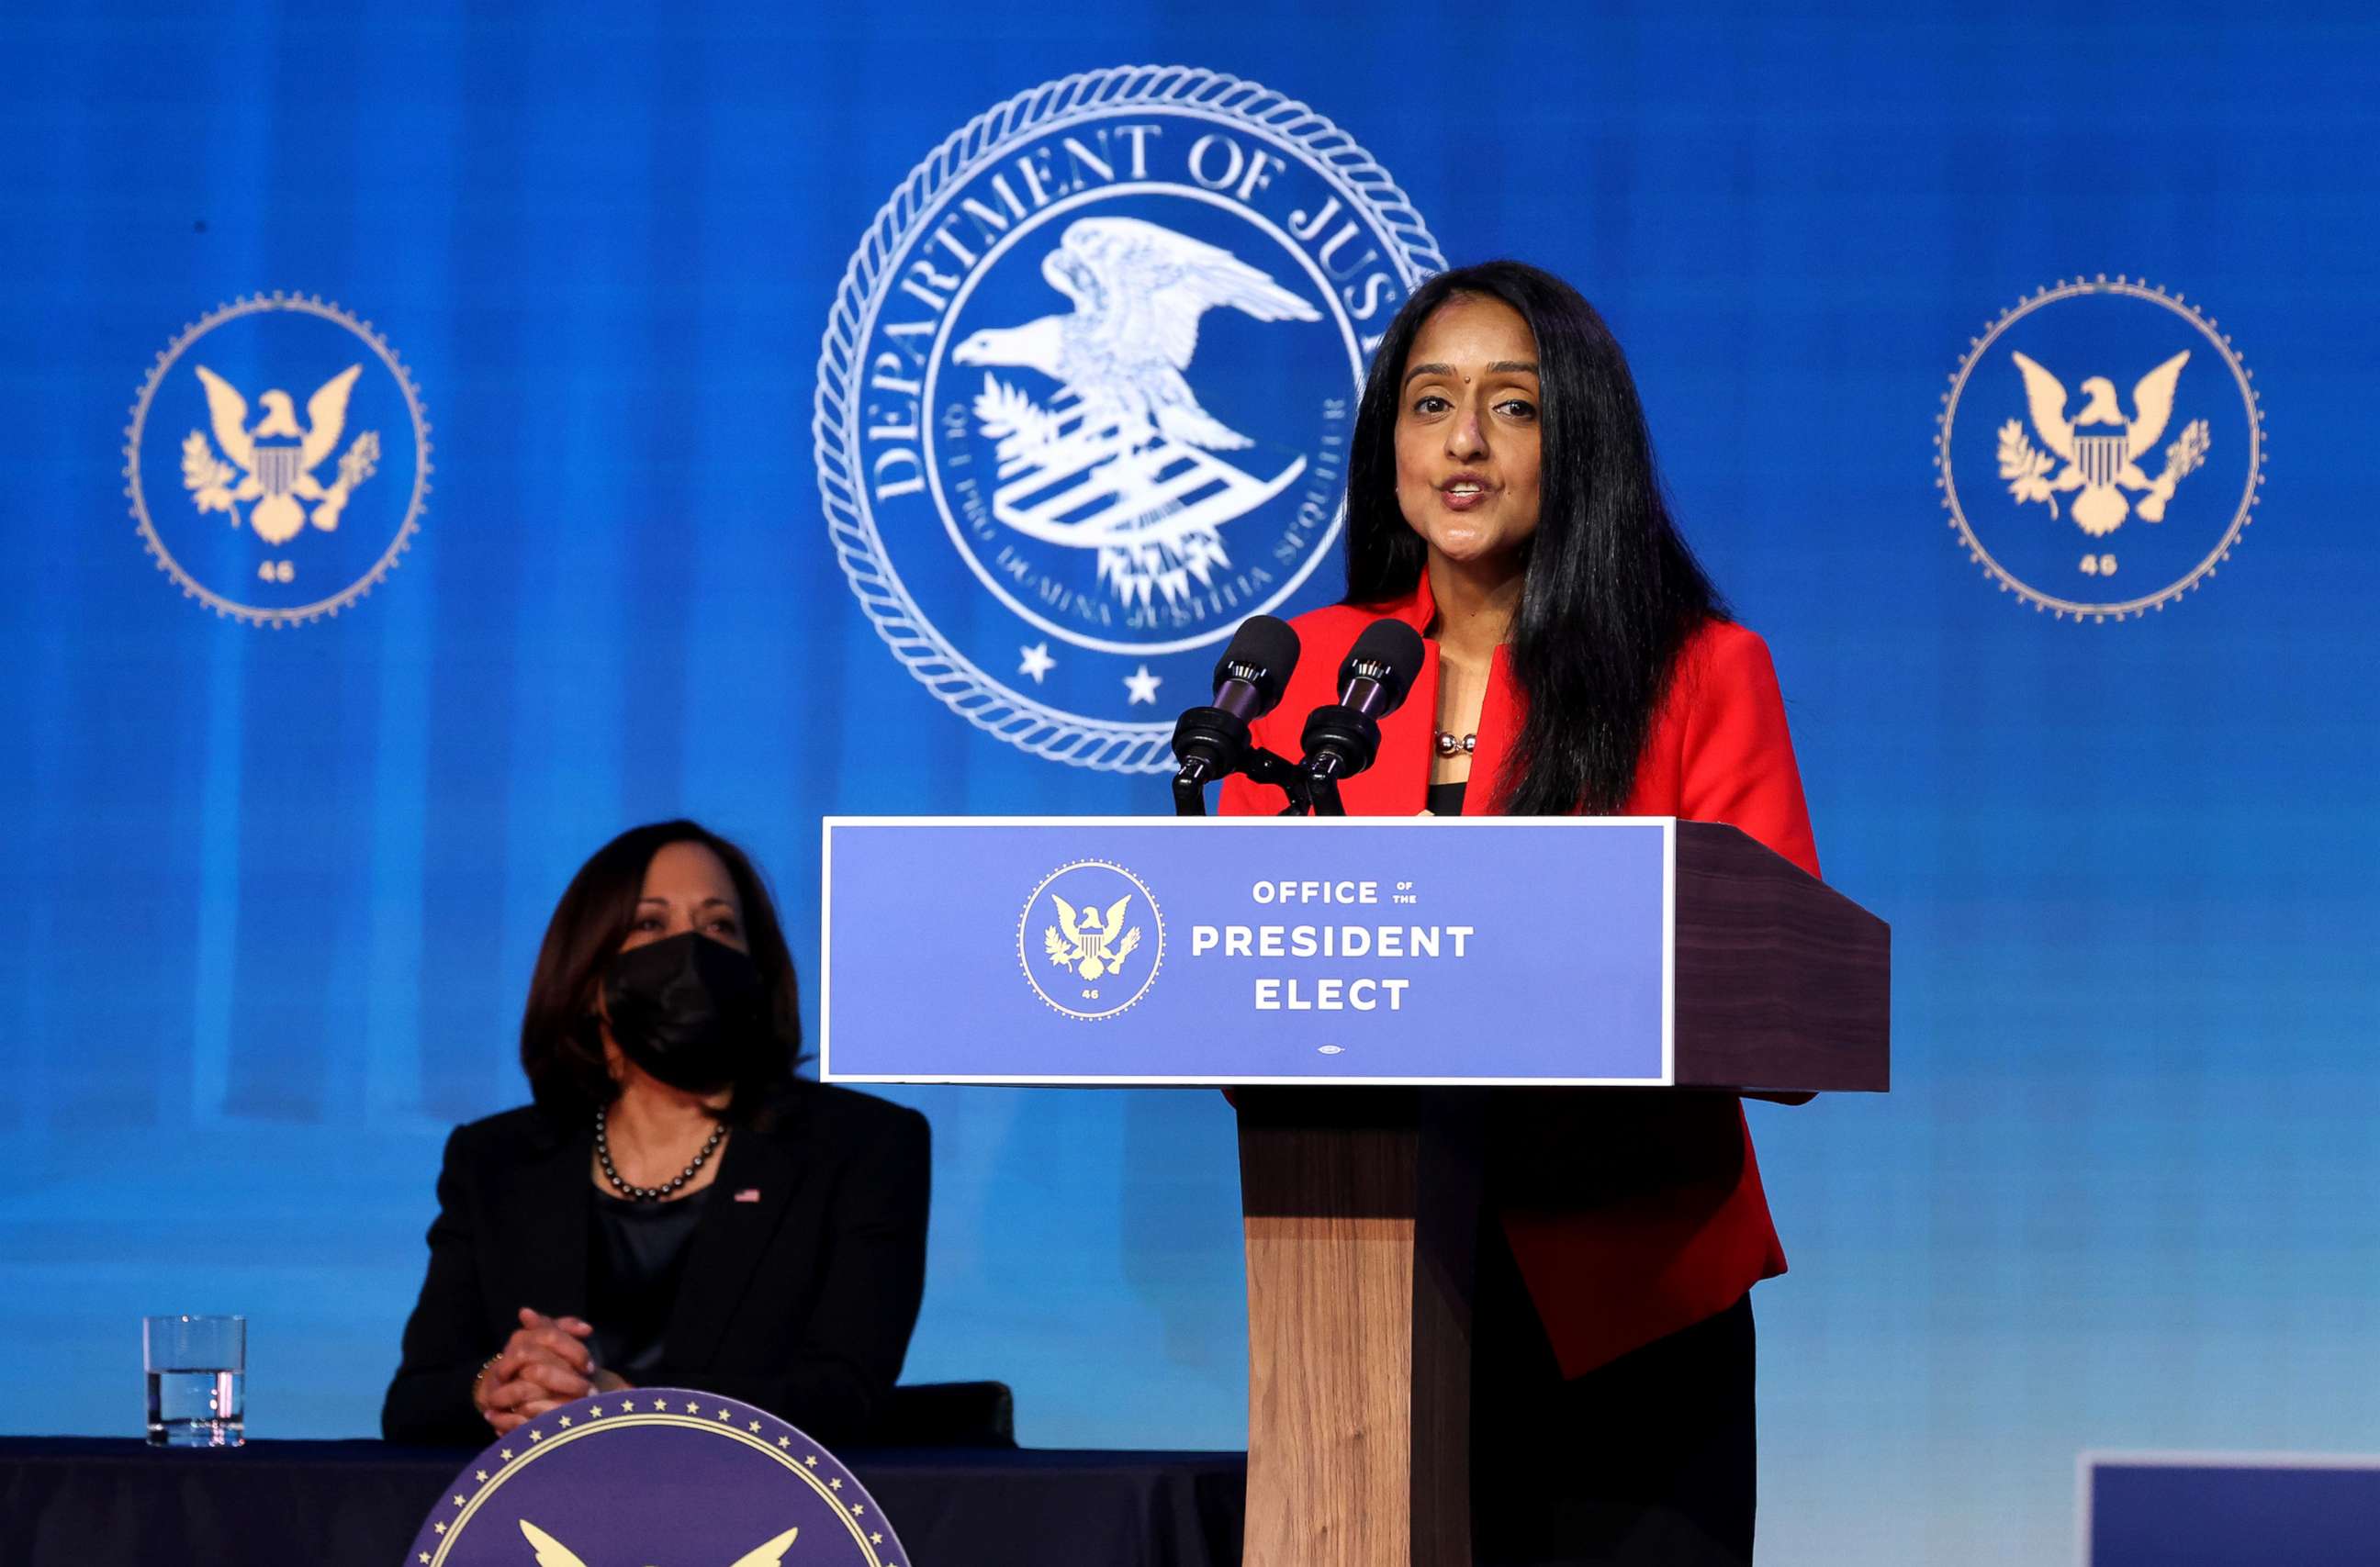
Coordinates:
(552, 1553)
(276, 460)
(1090, 944)
(2101, 449)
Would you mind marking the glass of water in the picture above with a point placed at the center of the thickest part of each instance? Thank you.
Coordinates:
(197, 1380)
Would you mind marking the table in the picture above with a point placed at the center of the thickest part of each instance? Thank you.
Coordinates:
(74, 1501)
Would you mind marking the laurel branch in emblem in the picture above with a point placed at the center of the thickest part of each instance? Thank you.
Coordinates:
(1076, 417)
(2089, 474)
(267, 476)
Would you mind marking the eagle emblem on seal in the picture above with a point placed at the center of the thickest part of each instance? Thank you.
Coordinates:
(1090, 944)
(2100, 448)
(276, 458)
(552, 1553)
(1122, 460)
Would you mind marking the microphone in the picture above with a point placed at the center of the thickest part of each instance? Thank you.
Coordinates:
(1341, 740)
(1209, 742)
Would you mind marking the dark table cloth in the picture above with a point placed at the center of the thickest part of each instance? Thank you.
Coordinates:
(72, 1501)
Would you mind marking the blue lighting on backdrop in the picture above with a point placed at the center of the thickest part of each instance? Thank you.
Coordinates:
(2080, 689)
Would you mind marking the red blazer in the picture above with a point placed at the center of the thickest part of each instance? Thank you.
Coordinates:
(1630, 1216)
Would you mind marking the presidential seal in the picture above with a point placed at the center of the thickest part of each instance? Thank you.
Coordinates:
(1085, 394)
(2100, 449)
(667, 1475)
(277, 460)
(1091, 940)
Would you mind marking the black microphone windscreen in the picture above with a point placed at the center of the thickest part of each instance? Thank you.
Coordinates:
(1263, 651)
(1389, 653)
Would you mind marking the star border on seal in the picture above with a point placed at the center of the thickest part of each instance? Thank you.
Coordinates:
(1945, 480)
(441, 1533)
(1024, 948)
(930, 658)
(251, 304)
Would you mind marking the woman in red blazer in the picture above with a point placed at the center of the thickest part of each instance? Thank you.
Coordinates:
(1502, 502)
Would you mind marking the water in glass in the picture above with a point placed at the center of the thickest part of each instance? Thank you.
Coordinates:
(196, 1408)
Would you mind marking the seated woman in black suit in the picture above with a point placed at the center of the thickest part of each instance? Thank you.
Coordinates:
(676, 1208)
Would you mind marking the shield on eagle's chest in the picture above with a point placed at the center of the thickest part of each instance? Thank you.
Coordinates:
(277, 468)
(2101, 457)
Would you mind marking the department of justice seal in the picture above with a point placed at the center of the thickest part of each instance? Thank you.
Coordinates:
(2100, 449)
(1091, 940)
(1085, 394)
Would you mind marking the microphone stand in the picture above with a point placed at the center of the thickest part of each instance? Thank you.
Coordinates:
(1323, 790)
(1189, 793)
(1338, 738)
(1262, 767)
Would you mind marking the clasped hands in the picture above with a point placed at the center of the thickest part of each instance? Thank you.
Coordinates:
(545, 1364)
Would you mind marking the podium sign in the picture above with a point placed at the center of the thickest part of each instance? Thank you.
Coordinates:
(1242, 951)
(1413, 960)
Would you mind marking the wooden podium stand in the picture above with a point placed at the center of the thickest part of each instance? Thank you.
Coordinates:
(1669, 956)
(1362, 1208)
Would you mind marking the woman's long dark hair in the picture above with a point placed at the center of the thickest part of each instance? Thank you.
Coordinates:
(562, 1044)
(1611, 592)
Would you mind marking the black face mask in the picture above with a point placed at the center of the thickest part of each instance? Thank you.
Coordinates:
(686, 1009)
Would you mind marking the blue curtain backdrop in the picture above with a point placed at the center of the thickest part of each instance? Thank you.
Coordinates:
(273, 892)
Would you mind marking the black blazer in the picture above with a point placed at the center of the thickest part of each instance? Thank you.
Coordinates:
(799, 1301)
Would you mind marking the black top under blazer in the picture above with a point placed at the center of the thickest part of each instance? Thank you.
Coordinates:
(799, 1300)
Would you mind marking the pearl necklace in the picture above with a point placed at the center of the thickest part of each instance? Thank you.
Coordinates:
(650, 1194)
(1451, 744)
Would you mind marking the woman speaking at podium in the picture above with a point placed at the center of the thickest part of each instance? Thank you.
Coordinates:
(1503, 501)
(676, 1208)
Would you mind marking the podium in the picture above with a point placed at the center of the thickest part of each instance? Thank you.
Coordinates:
(1374, 991)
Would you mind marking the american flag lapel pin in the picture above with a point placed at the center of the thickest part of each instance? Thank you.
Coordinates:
(749, 1194)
